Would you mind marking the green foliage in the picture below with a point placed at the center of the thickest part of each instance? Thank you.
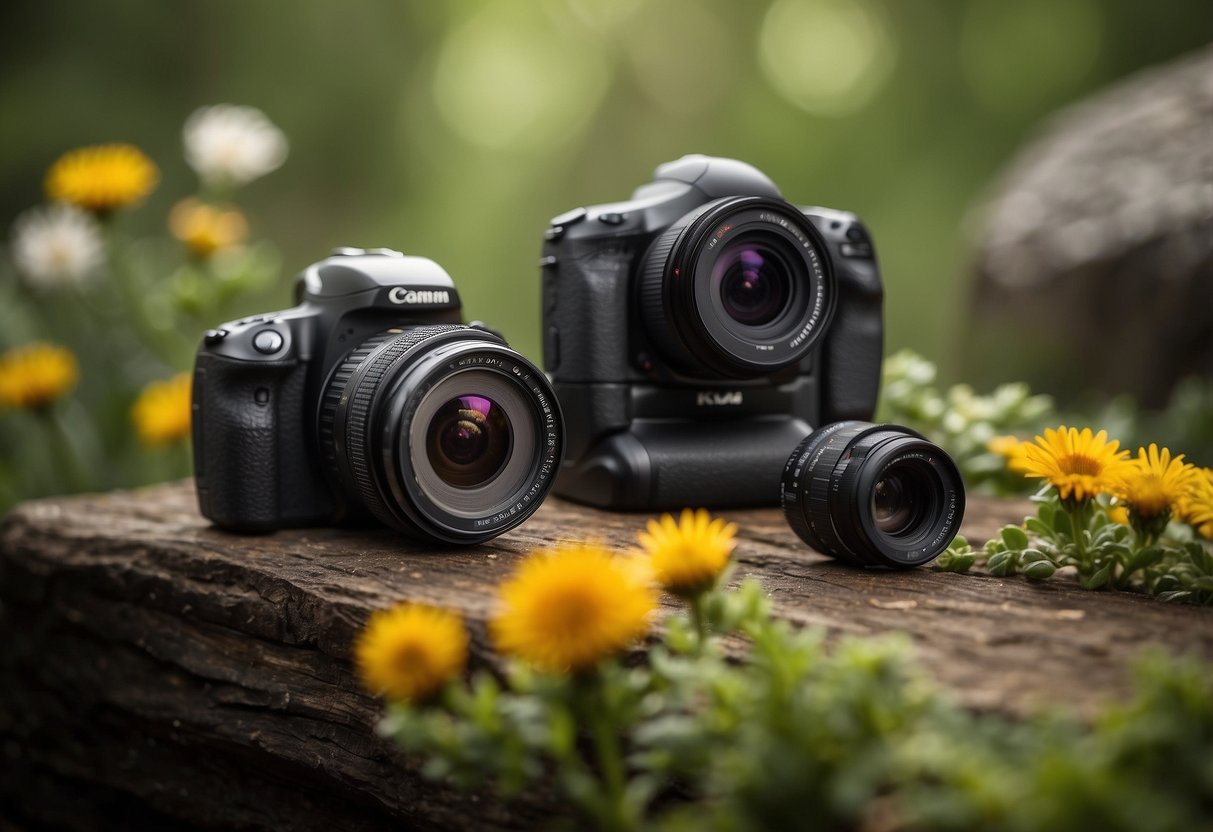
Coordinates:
(763, 726)
(1168, 563)
(961, 421)
(132, 318)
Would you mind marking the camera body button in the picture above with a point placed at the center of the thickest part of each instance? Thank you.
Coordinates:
(268, 341)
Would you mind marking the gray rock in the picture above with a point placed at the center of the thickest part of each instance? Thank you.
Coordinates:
(1095, 253)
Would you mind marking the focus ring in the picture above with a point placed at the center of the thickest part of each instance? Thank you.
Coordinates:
(367, 367)
(657, 320)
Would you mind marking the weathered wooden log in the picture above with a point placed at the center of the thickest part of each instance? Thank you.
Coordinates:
(1095, 250)
(157, 671)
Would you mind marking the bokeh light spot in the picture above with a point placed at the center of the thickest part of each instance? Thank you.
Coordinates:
(507, 79)
(828, 57)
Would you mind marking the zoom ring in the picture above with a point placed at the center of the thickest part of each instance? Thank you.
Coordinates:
(657, 321)
(367, 367)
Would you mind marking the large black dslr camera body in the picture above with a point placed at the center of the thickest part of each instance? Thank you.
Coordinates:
(697, 332)
(371, 400)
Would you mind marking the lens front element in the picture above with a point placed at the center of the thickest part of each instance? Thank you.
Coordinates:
(874, 495)
(468, 441)
(755, 282)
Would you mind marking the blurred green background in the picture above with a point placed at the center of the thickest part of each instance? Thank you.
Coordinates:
(455, 130)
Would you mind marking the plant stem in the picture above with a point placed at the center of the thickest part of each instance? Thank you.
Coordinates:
(1077, 515)
(701, 624)
(67, 465)
(610, 761)
(153, 337)
(591, 708)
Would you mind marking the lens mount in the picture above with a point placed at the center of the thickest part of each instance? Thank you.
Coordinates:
(873, 495)
(740, 287)
(442, 432)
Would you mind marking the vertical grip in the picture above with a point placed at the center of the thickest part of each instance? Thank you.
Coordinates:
(251, 458)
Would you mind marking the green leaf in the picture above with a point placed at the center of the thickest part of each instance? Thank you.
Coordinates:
(1099, 578)
(1039, 570)
(1143, 558)
(1015, 538)
(1038, 527)
(951, 561)
(1045, 513)
(1001, 564)
(1061, 523)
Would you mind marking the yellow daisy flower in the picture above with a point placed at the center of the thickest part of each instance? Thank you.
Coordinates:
(1154, 483)
(206, 229)
(407, 653)
(1196, 507)
(568, 609)
(1010, 448)
(162, 411)
(35, 375)
(102, 178)
(688, 556)
(1079, 464)
(1118, 514)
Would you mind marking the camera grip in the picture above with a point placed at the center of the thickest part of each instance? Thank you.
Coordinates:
(244, 412)
(854, 348)
(659, 465)
(585, 314)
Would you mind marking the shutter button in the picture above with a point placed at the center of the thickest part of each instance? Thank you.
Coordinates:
(267, 341)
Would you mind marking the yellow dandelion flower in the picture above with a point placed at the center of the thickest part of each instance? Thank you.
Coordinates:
(688, 556)
(205, 229)
(1154, 483)
(162, 412)
(407, 653)
(1011, 448)
(1196, 507)
(567, 609)
(35, 375)
(1079, 464)
(102, 178)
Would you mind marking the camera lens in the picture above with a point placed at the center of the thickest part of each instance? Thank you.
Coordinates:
(873, 495)
(740, 287)
(755, 282)
(897, 503)
(442, 432)
(468, 440)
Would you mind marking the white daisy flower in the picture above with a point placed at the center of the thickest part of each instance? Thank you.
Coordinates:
(231, 145)
(57, 245)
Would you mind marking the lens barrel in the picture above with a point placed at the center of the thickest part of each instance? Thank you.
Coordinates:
(873, 495)
(443, 433)
(741, 287)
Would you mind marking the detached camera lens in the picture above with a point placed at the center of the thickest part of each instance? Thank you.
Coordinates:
(873, 495)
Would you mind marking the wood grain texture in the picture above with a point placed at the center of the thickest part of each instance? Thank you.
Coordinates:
(158, 671)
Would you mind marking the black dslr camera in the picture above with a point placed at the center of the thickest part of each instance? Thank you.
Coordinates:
(696, 333)
(370, 399)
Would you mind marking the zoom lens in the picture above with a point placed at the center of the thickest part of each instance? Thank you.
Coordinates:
(873, 495)
(740, 287)
(441, 432)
